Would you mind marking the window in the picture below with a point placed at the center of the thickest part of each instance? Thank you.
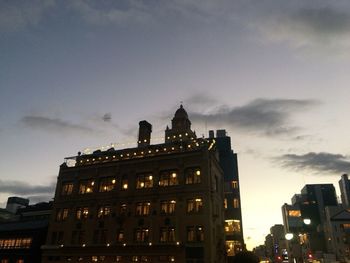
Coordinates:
(120, 235)
(194, 205)
(232, 226)
(140, 259)
(78, 237)
(167, 259)
(294, 213)
(61, 214)
(142, 235)
(118, 258)
(142, 209)
(15, 243)
(168, 178)
(234, 184)
(195, 234)
(82, 213)
(98, 258)
(192, 176)
(167, 207)
(124, 183)
(235, 203)
(100, 236)
(123, 209)
(104, 211)
(67, 188)
(86, 186)
(144, 181)
(225, 203)
(107, 184)
(167, 234)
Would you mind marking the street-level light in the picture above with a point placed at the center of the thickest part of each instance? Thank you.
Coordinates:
(307, 221)
(289, 236)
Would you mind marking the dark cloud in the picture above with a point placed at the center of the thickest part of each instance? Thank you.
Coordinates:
(264, 116)
(308, 25)
(40, 198)
(200, 99)
(24, 189)
(54, 125)
(316, 162)
(107, 117)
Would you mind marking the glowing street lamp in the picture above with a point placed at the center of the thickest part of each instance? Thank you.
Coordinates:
(307, 221)
(289, 236)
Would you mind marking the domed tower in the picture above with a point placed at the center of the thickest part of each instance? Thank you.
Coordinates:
(180, 127)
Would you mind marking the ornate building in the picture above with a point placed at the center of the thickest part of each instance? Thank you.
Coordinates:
(152, 203)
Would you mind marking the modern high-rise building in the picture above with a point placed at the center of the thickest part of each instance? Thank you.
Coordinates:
(151, 203)
(344, 185)
(305, 218)
(232, 201)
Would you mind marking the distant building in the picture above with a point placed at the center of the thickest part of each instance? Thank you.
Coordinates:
(232, 201)
(152, 203)
(337, 232)
(305, 219)
(14, 202)
(344, 185)
(22, 237)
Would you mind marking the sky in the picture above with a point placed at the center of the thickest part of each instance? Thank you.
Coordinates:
(82, 74)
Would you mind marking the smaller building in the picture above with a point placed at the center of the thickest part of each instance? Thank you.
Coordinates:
(337, 231)
(344, 185)
(21, 238)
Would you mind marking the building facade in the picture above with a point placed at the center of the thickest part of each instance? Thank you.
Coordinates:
(344, 185)
(22, 236)
(152, 203)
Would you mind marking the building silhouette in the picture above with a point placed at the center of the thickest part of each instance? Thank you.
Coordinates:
(23, 234)
(344, 185)
(152, 203)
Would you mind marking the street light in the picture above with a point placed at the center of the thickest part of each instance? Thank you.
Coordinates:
(307, 221)
(289, 236)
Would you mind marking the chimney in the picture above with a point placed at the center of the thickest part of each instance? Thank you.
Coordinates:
(145, 129)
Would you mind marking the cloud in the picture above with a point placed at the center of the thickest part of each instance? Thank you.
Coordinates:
(54, 125)
(40, 198)
(307, 27)
(107, 117)
(16, 15)
(324, 163)
(111, 12)
(263, 116)
(24, 189)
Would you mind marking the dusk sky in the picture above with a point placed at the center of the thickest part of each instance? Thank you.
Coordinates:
(82, 74)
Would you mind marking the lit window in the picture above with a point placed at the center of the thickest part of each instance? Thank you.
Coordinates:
(118, 259)
(167, 234)
(82, 213)
(294, 213)
(167, 207)
(142, 209)
(225, 203)
(234, 184)
(120, 236)
(194, 205)
(67, 188)
(346, 226)
(235, 203)
(232, 226)
(103, 211)
(166, 258)
(168, 178)
(61, 214)
(124, 183)
(86, 186)
(192, 176)
(142, 235)
(195, 234)
(123, 209)
(107, 184)
(144, 181)
(15, 243)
